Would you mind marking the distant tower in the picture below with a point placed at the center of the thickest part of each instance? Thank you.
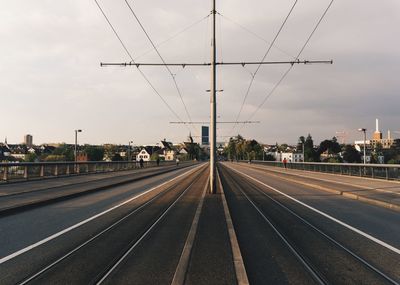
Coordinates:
(28, 140)
(377, 134)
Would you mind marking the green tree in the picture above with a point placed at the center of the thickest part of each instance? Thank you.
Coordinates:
(31, 157)
(94, 153)
(351, 155)
(66, 151)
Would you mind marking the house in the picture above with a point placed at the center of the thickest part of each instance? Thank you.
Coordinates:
(146, 152)
(4, 152)
(169, 151)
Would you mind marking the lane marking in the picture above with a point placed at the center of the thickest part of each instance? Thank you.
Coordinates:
(379, 189)
(376, 240)
(110, 271)
(240, 270)
(49, 238)
(181, 269)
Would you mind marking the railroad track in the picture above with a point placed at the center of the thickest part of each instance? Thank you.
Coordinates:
(98, 258)
(324, 258)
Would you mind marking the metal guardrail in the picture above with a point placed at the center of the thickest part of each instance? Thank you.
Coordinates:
(36, 170)
(380, 171)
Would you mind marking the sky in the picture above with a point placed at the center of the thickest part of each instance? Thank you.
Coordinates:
(51, 82)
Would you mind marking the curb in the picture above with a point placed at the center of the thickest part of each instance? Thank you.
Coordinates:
(349, 195)
(240, 270)
(30, 205)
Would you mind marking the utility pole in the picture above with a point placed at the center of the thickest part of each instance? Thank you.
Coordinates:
(213, 64)
(76, 143)
(364, 130)
(213, 104)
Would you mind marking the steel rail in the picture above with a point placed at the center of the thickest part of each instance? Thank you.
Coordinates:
(131, 248)
(326, 236)
(314, 273)
(109, 228)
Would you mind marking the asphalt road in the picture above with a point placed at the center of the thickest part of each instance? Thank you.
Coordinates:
(268, 223)
(167, 229)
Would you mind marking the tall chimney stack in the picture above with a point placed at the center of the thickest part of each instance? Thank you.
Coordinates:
(377, 125)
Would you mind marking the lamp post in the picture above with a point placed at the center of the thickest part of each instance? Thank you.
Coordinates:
(129, 150)
(303, 151)
(76, 143)
(365, 138)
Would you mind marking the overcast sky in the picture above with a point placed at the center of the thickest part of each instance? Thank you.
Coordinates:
(51, 81)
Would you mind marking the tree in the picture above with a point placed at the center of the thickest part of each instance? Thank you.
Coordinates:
(351, 155)
(31, 157)
(94, 153)
(66, 151)
(117, 157)
(310, 154)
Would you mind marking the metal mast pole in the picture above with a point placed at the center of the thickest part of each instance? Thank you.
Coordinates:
(213, 113)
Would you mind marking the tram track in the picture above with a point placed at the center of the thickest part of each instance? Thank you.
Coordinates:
(112, 240)
(326, 259)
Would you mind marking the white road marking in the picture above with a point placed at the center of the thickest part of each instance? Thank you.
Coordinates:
(32, 246)
(337, 182)
(378, 241)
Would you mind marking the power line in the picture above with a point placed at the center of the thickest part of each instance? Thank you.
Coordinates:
(174, 36)
(254, 34)
(298, 55)
(263, 58)
(162, 59)
(132, 60)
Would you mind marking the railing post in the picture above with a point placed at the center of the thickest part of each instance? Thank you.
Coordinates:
(78, 170)
(387, 173)
(41, 170)
(26, 172)
(67, 170)
(56, 170)
(5, 175)
(372, 172)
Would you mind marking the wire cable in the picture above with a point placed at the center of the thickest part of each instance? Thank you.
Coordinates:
(291, 66)
(162, 59)
(254, 34)
(174, 36)
(132, 60)
(263, 58)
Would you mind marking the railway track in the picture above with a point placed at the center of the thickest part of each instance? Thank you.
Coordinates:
(95, 260)
(324, 258)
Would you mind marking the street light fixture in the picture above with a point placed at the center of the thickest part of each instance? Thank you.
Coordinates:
(76, 143)
(129, 150)
(365, 138)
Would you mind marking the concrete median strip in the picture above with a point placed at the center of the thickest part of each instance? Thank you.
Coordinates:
(349, 195)
(52, 237)
(181, 269)
(241, 275)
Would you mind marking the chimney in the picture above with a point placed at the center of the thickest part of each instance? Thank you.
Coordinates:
(377, 126)
(389, 135)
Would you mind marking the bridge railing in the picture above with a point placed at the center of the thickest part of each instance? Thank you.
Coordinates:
(36, 170)
(381, 171)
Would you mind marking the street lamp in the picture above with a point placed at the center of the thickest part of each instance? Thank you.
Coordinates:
(76, 143)
(365, 138)
(129, 150)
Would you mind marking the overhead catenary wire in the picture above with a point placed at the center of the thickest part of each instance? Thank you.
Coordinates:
(254, 34)
(263, 59)
(297, 57)
(174, 36)
(162, 59)
(132, 60)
